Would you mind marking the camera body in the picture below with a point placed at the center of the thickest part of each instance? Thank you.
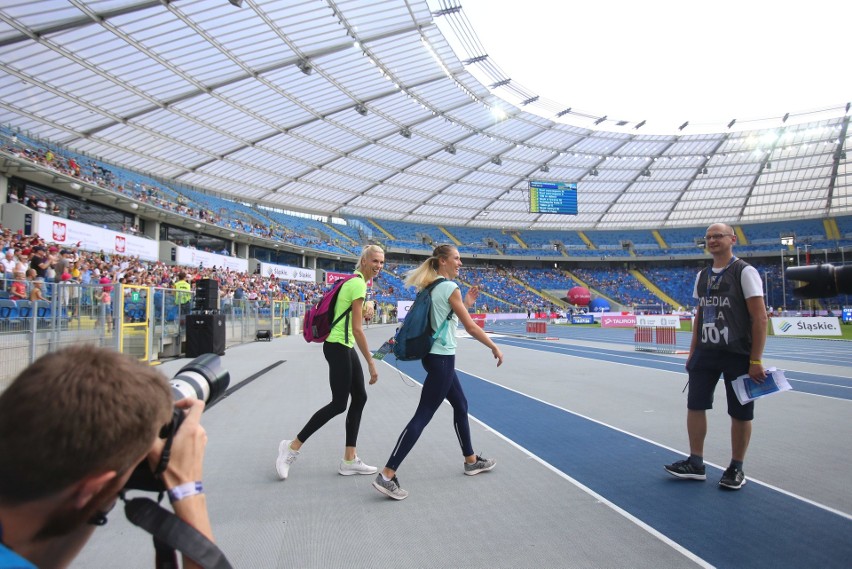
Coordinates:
(821, 281)
(203, 378)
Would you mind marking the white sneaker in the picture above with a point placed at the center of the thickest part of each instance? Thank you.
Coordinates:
(286, 457)
(355, 467)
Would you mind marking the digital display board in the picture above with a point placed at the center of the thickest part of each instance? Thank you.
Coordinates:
(553, 197)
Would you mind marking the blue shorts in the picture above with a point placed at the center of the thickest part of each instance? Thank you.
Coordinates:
(705, 367)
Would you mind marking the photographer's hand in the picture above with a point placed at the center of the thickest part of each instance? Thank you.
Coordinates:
(186, 466)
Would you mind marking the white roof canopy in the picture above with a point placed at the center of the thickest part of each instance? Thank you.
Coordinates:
(362, 108)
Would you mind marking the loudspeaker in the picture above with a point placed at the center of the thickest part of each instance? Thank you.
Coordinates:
(205, 334)
(206, 295)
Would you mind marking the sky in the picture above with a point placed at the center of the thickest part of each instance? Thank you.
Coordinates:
(668, 62)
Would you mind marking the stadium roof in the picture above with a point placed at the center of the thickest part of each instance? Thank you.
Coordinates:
(362, 108)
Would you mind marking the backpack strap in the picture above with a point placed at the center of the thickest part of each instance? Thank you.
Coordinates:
(443, 325)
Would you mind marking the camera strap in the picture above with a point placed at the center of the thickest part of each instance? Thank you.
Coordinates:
(173, 534)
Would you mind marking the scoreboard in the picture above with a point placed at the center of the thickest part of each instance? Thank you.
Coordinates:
(553, 197)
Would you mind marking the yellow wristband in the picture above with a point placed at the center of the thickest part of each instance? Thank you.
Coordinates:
(755, 362)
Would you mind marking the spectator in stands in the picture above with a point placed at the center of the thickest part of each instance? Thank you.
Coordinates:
(18, 290)
(8, 262)
(728, 337)
(441, 380)
(65, 460)
(346, 377)
(37, 291)
(183, 297)
(39, 261)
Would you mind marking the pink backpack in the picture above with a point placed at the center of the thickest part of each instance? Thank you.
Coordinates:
(318, 319)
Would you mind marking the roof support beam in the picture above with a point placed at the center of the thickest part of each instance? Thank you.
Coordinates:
(835, 166)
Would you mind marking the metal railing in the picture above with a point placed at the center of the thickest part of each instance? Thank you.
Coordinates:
(145, 322)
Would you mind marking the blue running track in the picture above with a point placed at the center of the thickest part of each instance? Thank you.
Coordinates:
(755, 527)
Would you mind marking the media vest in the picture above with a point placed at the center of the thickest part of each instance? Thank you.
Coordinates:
(725, 321)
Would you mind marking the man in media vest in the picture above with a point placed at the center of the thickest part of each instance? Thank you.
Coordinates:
(728, 337)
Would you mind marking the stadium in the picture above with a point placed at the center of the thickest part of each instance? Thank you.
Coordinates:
(259, 145)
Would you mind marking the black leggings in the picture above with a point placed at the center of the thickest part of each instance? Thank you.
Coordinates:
(441, 383)
(346, 378)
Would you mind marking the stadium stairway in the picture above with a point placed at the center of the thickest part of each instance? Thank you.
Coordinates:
(342, 235)
(375, 224)
(655, 290)
(587, 241)
(520, 241)
(832, 232)
(449, 235)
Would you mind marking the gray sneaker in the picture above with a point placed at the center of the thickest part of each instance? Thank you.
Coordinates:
(286, 457)
(479, 465)
(389, 488)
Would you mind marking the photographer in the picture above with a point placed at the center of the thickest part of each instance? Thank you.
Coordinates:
(73, 427)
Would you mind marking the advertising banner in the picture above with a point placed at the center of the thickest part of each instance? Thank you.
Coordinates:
(813, 326)
(332, 277)
(196, 258)
(618, 321)
(659, 321)
(582, 319)
(286, 273)
(68, 233)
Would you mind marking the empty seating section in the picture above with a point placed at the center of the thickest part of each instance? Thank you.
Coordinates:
(544, 243)
(680, 241)
(474, 240)
(389, 286)
(616, 240)
(411, 235)
(546, 280)
(498, 290)
(618, 285)
(676, 282)
(307, 232)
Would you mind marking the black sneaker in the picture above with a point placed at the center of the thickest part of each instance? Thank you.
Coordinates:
(732, 479)
(685, 469)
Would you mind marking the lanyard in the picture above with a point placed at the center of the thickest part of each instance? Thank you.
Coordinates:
(713, 279)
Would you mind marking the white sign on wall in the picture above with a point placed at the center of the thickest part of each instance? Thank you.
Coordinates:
(196, 258)
(814, 326)
(285, 273)
(68, 233)
(658, 320)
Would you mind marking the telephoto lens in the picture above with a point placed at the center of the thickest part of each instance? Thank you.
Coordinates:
(821, 281)
(203, 378)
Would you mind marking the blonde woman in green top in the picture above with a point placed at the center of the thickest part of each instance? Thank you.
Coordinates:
(345, 375)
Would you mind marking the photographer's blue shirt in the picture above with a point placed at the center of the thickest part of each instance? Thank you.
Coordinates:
(11, 560)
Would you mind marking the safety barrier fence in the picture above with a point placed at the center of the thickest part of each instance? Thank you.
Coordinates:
(145, 322)
(658, 339)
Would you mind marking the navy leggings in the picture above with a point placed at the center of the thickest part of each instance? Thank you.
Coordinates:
(441, 383)
(346, 378)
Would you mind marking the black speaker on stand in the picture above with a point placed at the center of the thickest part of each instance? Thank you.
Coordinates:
(205, 334)
(206, 295)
